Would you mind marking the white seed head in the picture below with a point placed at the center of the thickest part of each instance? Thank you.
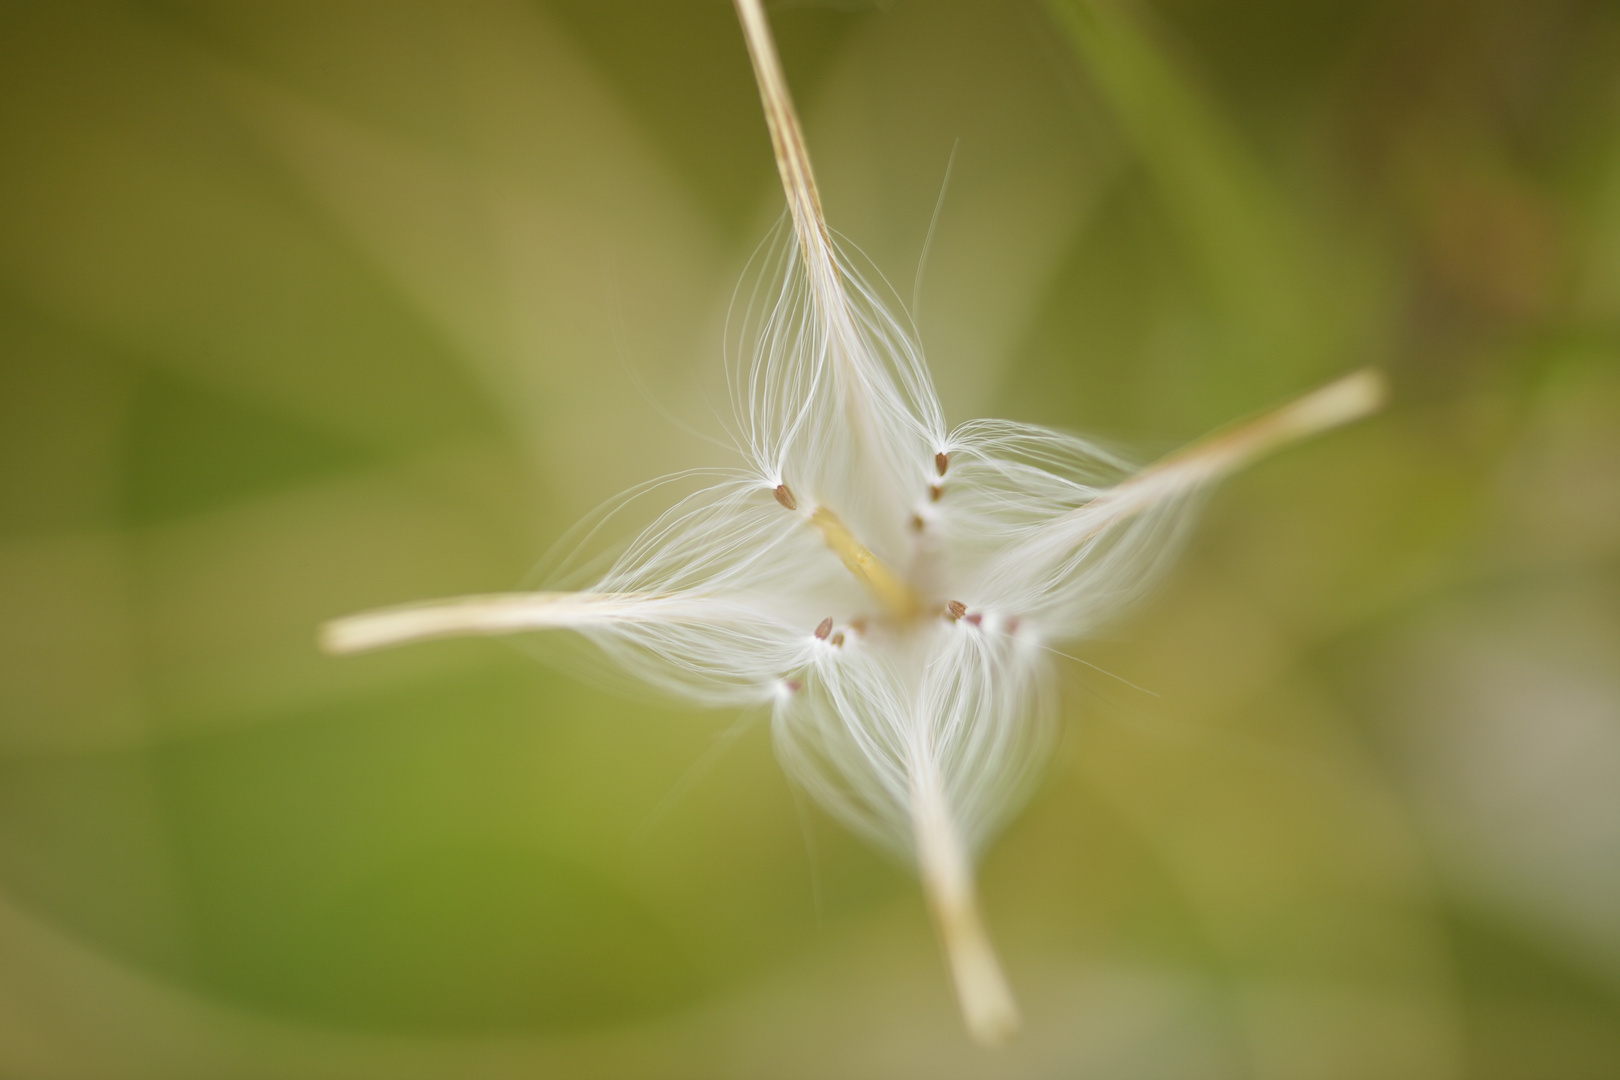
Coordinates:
(943, 557)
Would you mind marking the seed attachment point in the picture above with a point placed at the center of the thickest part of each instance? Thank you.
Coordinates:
(942, 461)
(785, 497)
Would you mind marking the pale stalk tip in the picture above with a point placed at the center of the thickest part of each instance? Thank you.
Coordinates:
(987, 1004)
(1359, 394)
(371, 630)
(1340, 402)
(469, 616)
(335, 638)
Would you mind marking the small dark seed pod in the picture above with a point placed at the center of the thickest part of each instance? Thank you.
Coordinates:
(785, 497)
(825, 628)
(942, 461)
(956, 609)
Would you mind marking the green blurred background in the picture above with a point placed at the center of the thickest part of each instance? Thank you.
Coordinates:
(306, 307)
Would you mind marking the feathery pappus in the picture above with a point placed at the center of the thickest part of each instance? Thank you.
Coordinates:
(887, 585)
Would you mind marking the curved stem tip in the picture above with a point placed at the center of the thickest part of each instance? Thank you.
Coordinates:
(986, 1000)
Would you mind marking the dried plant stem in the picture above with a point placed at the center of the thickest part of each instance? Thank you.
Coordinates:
(900, 601)
(947, 876)
(787, 139)
(503, 613)
(827, 284)
(1339, 402)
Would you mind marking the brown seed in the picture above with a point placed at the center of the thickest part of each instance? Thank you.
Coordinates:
(858, 624)
(838, 639)
(934, 492)
(917, 523)
(956, 609)
(794, 685)
(785, 497)
(975, 619)
(942, 461)
(825, 628)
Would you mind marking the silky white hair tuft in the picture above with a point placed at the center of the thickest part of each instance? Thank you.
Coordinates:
(885, 586)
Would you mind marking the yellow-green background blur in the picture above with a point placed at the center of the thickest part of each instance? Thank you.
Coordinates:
(307, 307)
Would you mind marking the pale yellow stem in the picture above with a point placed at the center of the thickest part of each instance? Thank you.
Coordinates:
(826, 282)
(986, 1001)
(900, 601)
(787, 139)
(1339, 402)
(503, 613)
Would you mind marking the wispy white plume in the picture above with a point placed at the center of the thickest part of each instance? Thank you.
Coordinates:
(886, 586)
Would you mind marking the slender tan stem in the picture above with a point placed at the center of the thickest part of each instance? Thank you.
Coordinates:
(826, 282)
(900, 601)
(1340, 402)
(787, 139)
(986, 1001)
(503, 613)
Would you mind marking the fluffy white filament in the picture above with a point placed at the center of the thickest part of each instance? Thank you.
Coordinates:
(884, 585)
